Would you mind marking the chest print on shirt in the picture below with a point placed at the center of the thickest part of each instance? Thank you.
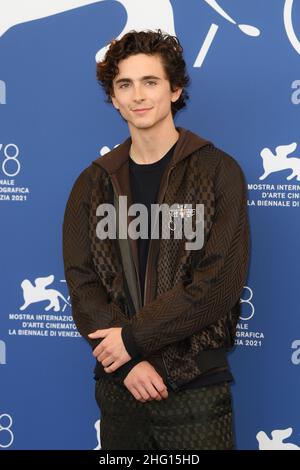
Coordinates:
(181, 211)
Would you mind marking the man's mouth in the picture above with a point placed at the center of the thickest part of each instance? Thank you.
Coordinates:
(141, 110)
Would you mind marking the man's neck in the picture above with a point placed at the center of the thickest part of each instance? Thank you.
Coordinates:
(150, 145)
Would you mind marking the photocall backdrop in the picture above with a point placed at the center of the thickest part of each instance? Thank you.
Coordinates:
(243, 57)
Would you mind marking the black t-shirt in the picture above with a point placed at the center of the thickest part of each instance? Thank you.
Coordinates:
(145, 182)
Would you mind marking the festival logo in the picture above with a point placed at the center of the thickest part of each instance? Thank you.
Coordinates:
(279, 161)
(245, 336)
(39, 319)
(276, 442)
(141, 15)
(6, 434)
(289, 26)
(97, 429)
(37, 292)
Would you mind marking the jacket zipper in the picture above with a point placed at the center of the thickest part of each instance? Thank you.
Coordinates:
(150, 243)
(132, 310)
(130, 301)
(160, 196)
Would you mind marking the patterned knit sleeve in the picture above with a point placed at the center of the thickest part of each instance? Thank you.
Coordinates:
(90, 308)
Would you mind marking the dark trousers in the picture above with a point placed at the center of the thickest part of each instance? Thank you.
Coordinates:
(195, 419)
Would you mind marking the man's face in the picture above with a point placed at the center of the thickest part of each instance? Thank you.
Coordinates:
(142, 84)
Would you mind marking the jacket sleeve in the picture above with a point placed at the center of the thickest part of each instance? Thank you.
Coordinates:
(217, 280)
(90, 308)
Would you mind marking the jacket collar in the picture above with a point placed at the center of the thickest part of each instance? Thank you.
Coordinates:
(187, 143)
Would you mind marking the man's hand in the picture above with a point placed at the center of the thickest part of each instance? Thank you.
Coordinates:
(111, 352)
(145, 384)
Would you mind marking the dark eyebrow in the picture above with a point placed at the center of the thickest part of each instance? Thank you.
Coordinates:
(146, 77)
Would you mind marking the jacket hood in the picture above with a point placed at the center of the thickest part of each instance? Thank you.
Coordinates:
(187, 143)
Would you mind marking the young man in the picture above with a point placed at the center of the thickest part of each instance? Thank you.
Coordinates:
(160, 317)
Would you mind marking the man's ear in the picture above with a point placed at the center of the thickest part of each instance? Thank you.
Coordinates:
(176, 94)
(114, 101)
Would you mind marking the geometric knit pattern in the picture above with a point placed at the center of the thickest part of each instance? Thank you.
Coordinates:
(199, 419)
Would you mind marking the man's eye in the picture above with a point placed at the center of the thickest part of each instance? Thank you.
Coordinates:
(124, 84)
(150, 81)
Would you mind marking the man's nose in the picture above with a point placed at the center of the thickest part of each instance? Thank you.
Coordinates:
(138, 94)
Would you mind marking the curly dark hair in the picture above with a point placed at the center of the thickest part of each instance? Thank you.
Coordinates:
(151, 43)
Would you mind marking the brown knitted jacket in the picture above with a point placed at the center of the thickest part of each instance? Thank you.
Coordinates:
(191, 306)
